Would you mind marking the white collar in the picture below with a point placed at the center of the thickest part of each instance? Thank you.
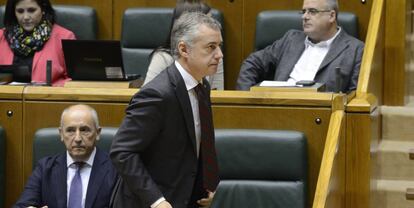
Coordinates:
(89, 161)
(326, 43)
(190, 81)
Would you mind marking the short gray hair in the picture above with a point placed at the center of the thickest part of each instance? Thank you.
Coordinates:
(333, 4)
(186, 29)
(91, 110)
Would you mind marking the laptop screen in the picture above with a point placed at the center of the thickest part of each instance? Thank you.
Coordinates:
(94, 60)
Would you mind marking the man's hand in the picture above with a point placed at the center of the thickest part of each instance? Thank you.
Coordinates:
(206, 202)
(164, 204)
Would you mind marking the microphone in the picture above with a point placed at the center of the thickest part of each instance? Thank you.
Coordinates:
(49, 73)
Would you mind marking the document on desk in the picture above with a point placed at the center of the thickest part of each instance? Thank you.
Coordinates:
(277, 84)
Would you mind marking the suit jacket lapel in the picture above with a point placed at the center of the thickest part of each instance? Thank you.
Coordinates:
(96, 179)
(296, 50)
(36, 59)
(59, 181)
(338, 45)
(183, 98)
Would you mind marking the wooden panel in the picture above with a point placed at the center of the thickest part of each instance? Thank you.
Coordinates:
(78, 94)
(363, 133)
(12, 125)
(361, 10)
(272, 98)
(104, 13)
(47, 114)
(289, 118)
(11, 92)
(397, 51)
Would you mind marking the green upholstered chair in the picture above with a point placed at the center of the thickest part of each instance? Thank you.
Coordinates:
(81, 20)
(46, 142)
(143, 30)
(2, 8)
(2, 166)
(273, 24)
(261, 168)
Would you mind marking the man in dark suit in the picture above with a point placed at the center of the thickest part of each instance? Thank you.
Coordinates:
(164, 150)
(316, 53)
(82, 177)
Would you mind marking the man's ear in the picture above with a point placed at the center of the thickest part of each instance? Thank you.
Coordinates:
(332, 16)
(98, 133)
(61, 134)
(183, 49)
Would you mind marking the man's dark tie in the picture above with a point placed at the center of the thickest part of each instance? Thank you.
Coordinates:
(75, 192)
(207, 148)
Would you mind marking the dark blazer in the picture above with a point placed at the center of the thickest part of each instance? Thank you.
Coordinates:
(154, 150)
(277, 61)
(47, 185)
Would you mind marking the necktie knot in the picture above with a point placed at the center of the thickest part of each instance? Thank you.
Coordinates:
(79, 165)
(200, 90)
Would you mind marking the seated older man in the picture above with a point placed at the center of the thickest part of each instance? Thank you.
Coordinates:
(83, 176)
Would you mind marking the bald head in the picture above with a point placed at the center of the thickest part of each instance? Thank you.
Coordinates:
(81, 108)
(79, 130)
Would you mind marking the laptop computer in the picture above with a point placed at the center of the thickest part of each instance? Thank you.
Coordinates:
(95, 60)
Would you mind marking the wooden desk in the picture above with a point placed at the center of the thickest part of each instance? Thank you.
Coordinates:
(306, 112)
(11, 116)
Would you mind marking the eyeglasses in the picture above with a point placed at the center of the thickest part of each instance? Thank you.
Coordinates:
(313, 11)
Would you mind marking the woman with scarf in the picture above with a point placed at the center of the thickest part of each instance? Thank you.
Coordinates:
(31, 38)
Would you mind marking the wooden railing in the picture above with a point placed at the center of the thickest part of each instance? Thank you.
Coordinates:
(372, 66)
(330, 188)
(362, 115)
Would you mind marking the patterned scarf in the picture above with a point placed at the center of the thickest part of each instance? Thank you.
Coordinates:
(26, 43)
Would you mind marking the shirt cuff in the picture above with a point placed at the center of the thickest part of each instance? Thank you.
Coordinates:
(156, 203)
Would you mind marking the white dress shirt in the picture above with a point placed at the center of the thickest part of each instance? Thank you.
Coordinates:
(311, 59)
(85, 174)
(190, 84)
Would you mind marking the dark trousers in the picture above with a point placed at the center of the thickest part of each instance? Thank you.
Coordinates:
(198, 190)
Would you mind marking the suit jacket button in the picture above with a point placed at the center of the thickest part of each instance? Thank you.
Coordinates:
(186, 202)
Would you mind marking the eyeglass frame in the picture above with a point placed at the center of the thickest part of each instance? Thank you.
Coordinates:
(313, 11)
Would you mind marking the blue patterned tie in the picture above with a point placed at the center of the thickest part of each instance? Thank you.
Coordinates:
(75, 192)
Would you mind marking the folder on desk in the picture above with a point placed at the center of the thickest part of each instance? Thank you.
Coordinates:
(284, 86)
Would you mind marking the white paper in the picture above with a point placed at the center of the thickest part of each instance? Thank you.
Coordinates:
(277, 84)
(19, 83)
